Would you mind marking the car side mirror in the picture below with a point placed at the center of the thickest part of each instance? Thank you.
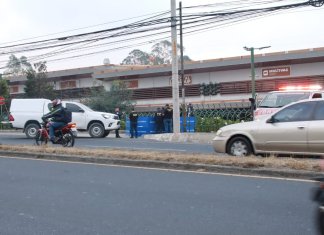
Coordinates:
(80, 111)
(271, 120)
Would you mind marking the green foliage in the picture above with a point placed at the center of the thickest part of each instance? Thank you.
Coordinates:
(4, 88)
(161, 53)
(18, 66)
(209, 89)
(37, 85)
(137, 57)
(107, 101)
(122, 125)
(210, 124)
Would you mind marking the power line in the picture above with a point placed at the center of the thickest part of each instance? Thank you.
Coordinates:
(195, 21)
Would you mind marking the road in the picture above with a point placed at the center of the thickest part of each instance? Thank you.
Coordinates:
(84, 141)
(44, 197)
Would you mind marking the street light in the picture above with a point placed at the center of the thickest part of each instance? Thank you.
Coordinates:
(253, 98)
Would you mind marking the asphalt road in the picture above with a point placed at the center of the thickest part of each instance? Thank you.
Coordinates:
(84, 141)
(43, 197)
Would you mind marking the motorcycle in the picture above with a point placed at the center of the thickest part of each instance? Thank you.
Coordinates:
(318, 196)
(63, 136)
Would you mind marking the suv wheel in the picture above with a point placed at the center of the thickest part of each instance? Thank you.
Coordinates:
(96, 130)
(31, 130)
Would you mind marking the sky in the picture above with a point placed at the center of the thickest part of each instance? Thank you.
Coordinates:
(22, 19)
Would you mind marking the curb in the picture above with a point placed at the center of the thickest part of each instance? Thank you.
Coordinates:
(200, 138)
(169, 165)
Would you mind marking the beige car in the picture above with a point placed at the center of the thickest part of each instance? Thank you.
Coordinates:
(295, 129)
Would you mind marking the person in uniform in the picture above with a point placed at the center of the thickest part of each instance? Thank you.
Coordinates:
(168, 115)
(159, 120)
(133, 116)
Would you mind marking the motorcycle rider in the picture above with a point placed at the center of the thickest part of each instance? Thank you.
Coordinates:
(56, 118)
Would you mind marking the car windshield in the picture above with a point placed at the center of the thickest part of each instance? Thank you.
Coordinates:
(277, 100)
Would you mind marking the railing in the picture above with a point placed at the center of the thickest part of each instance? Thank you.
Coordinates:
(210, 117)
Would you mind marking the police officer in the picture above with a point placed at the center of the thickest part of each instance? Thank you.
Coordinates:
(159, 120)
(133, 116)
(119, 117)
(168, 115)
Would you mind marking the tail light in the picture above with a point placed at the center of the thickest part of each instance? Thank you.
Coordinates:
(72, 125)
(11, 118)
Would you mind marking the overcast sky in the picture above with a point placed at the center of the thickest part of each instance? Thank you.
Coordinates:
(21, 19)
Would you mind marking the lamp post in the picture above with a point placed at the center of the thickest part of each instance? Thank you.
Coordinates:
(252, 99)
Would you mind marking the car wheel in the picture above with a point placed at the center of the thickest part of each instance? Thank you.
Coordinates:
(96, 130)
(239, 146)
(106, 134)
(31, 130)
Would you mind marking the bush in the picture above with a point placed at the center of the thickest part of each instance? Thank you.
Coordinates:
(211, 124)
(122, 125)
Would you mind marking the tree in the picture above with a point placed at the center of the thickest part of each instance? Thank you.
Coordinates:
(4, 88)
(117, 97)
(18, 66)
(161, 53)
(37, 85)
(137, 57)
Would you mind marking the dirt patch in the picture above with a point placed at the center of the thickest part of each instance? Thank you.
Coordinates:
(252, 162)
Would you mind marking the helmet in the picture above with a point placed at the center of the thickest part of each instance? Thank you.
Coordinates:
(56, 102)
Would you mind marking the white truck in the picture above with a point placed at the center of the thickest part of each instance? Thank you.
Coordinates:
(27, 115)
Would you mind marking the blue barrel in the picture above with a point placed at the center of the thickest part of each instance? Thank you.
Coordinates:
(146, 125)
(190, 124)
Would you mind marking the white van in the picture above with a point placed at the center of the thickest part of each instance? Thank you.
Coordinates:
(27, 114)
(276, 99)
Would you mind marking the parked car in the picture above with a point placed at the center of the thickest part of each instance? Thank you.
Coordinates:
(27, 115)
(297, 128)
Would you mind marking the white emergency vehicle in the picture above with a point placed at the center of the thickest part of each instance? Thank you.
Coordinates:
(276, 99)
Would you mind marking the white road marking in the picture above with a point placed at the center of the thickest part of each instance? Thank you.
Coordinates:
(172, 170)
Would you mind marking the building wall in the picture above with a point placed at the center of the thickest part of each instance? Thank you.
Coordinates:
(239, 75)
(237, 80)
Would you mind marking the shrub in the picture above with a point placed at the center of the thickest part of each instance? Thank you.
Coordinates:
(211, 124)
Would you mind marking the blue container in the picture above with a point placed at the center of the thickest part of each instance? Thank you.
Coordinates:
(190, 124)
(146, 125)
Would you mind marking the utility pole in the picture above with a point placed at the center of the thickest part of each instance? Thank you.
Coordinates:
(175, 75)
(183, 89)
(253, 98)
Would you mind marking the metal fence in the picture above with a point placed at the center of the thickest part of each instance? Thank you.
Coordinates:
(210, 117)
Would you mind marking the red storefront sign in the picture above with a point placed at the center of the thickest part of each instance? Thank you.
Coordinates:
(2, 100)
(276, 72)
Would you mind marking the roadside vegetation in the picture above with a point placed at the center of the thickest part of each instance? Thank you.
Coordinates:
(276, 163)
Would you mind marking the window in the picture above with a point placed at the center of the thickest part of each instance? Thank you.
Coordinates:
(14, 89)
(296, 112)
(73, 108)
(317, 96)
(319, 112)
(68, 84)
